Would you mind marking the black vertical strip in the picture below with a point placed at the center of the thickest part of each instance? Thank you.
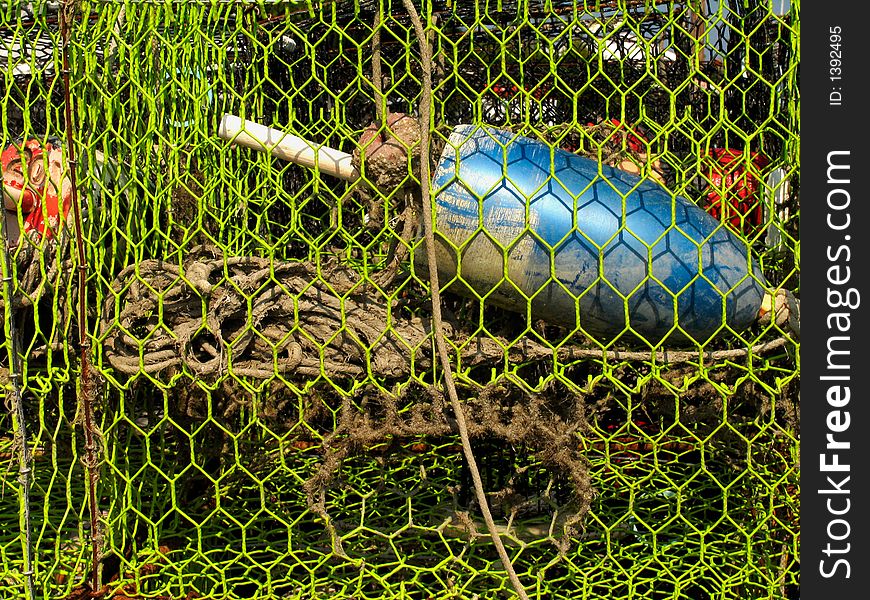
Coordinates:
(835, 421)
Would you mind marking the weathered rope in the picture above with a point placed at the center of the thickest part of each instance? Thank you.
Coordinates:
(440, 344)
(253, 317)
(39, 268)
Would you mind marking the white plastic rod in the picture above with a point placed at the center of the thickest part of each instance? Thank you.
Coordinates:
(287, 147)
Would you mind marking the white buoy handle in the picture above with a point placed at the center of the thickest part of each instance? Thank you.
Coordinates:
(287, 147)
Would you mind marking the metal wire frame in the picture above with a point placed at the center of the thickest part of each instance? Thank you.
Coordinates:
(201, 484)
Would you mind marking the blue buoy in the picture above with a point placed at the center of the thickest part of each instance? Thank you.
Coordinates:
(565, 239)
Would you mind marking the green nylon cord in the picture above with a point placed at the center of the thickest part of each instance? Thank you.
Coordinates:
(261, 332)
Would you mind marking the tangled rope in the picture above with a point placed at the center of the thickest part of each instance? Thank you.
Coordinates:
(39, 268)
(434, 289)
(545, 424)
(255, 317)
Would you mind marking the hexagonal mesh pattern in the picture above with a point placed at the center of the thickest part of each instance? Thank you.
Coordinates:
(616, 203)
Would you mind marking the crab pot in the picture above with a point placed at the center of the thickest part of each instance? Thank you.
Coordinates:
(577, 243)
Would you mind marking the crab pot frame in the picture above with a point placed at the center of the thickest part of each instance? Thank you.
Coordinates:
(269, 420)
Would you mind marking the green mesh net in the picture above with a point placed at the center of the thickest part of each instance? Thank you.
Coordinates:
(262, 414)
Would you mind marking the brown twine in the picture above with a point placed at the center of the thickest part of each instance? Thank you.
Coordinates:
(40, 267)
(545, 424)
(440, 344)
(256, 317)
(87, 380)
(253, 317)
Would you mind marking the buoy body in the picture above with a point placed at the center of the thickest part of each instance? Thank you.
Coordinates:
(36, 183)
(562, 238)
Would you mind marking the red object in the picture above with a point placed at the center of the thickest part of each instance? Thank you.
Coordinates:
(34, 172)
(737, 176)
(509, 91)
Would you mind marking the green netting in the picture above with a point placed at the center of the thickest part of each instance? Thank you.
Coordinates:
(269, 420)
